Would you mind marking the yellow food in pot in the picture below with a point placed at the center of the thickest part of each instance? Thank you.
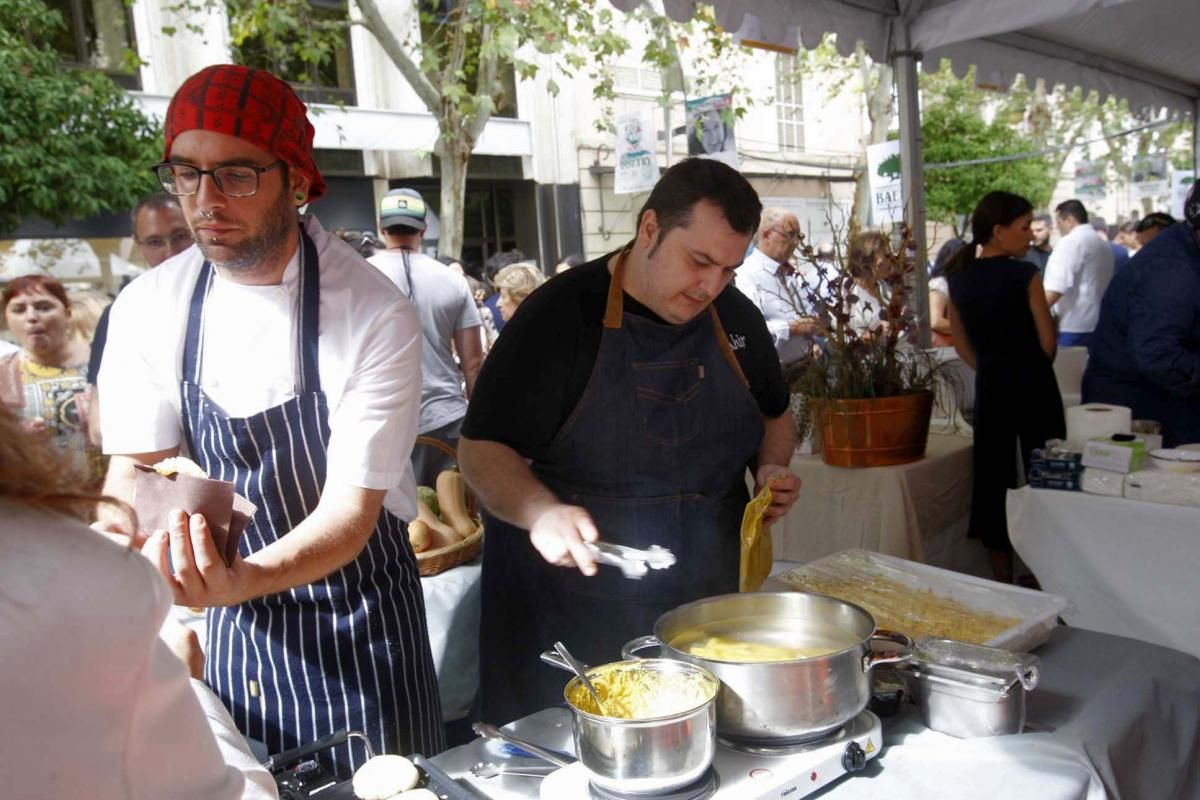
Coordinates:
(635, 692)
(721, 648)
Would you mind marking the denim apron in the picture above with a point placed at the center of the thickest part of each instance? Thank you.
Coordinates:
(656, 451)
(349, 651)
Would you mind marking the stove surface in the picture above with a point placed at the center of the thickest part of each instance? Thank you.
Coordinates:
(792, 774)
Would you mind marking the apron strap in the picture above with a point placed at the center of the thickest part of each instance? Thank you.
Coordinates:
(615, 308)
(307, 330)
(726, 348)
(193, 342)
(310, 308)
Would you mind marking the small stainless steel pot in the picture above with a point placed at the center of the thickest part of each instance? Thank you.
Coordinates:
(783, 702)
(647, 756)
(967, 690)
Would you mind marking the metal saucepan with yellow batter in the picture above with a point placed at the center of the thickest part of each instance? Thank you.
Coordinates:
(793, 666)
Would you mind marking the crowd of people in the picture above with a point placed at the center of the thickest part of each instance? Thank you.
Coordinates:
(278, 358)
(327, 375)
(1006, 300)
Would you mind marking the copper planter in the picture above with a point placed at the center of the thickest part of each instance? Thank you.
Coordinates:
(877, 432)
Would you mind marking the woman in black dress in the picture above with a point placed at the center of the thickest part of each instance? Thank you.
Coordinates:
(1002, 327)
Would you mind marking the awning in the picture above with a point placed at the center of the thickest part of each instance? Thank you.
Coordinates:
(1140, 50)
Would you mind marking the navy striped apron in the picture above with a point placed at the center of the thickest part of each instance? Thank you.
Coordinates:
(350, 651)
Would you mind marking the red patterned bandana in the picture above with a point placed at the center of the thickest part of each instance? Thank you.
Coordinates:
(252, 105)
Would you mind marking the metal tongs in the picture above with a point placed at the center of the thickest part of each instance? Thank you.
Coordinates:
(633, 563)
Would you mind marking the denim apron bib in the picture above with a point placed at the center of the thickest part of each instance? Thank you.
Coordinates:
(349, 651)
(656, 451)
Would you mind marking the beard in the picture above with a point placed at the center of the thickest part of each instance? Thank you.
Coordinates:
(264, 246)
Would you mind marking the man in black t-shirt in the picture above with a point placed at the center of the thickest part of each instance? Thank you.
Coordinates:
(629, 417)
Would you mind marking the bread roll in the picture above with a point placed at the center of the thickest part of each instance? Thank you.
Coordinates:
(384, 777)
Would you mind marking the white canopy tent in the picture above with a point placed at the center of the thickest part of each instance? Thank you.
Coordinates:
(1141, 50)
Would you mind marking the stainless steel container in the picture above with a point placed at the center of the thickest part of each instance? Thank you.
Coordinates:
(970, 691)
(783, 702)
(647, 756)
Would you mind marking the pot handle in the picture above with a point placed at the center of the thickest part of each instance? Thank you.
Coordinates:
(905, 653)
(629, 651)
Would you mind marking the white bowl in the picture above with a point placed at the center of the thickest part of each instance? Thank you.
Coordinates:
(1176, 459)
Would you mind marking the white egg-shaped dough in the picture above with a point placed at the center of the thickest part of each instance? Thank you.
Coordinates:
(384, 777)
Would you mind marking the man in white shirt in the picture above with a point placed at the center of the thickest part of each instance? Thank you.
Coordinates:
(277, 359)
(771, 282)
(1076, 275)
(449, 322)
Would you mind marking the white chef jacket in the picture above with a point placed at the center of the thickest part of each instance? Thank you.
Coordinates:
(781, 300)
(1080, 268)
(95, 704)
(369, 361)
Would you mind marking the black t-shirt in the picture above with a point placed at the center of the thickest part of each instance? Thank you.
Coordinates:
(535, 374)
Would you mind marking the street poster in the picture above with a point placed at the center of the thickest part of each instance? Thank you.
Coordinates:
(1089, 180)
(1150, 176)
(883, 173)
(637, 164)
(1181, 185)
(710, 129)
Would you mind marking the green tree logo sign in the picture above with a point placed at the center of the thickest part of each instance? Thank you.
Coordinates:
(890, 167)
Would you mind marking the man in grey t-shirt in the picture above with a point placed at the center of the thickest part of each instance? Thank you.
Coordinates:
(449, 322)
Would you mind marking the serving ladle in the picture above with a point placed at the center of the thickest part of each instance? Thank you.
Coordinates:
(580, 671)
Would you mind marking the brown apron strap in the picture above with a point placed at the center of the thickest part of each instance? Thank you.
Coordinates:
(726, 348)
(616, 300)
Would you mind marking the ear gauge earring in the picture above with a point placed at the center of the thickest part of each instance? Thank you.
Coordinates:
(301, 197)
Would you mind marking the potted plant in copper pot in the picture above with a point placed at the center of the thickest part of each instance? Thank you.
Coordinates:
(867, 392)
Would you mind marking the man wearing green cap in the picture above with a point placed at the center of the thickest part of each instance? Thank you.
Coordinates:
(449, 323)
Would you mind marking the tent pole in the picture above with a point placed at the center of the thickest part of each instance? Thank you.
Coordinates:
(912, 167)
(1196, 138)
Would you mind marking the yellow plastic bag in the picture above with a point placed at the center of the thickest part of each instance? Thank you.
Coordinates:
(757, 555)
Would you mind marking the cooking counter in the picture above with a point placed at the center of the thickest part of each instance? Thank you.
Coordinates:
(1119, 718)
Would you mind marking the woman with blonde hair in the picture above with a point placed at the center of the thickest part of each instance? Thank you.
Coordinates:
(96, 703)
(516, 282)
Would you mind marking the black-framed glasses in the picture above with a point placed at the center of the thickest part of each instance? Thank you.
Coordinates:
(233, 180)
(791, 236)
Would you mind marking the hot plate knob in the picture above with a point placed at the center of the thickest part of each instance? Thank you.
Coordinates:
(854, 757)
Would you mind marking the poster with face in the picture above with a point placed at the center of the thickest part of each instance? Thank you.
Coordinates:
(637, 143)
(710, 128)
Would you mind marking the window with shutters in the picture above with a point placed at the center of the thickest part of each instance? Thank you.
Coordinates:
(789, 102)
(97, 35)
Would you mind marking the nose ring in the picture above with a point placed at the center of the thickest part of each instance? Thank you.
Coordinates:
(207, 213)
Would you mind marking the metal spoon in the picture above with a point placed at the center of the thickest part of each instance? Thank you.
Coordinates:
(489, 731)
(490, 769)
(580, 672)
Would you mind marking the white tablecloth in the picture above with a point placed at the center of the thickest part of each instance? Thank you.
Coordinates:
(1120, 720)
(452, 607)
(917, 511)
(1128, 566)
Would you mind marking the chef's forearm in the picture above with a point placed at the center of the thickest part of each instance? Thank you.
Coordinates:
(503, 482)
(779, 440)
(327, 540)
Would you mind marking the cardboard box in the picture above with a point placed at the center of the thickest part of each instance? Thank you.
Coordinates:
(1115, 456)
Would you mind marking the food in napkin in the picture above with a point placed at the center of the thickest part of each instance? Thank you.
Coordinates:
(177, 483)
(757, 554)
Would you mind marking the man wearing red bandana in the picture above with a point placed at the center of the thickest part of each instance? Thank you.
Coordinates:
(279, 360)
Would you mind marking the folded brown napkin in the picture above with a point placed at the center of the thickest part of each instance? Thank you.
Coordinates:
(227, 512)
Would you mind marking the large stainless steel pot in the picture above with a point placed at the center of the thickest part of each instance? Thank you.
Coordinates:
(647, 756)
(782, 702)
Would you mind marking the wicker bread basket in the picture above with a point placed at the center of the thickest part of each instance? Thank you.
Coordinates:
(432, 562)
